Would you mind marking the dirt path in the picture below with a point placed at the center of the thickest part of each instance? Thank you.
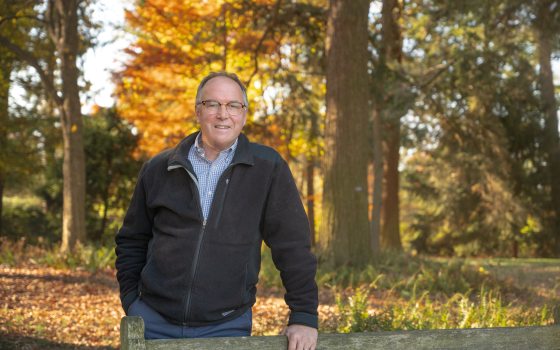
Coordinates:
(540, 277)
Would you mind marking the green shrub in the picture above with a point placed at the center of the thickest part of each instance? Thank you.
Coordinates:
(26, 221)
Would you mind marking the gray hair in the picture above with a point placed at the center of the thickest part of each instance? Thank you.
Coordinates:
(231, 76)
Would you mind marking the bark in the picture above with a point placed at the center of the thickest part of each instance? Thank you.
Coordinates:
(390, 234)
(4, 93)
(551, 139)
(377, 181)
(391, 53)
(311, 196)
(1, 199)
(345, 226)
(63, 29)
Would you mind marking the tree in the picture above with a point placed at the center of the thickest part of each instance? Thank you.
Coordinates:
(271, 45)
(14, 160)
(111, 170)
(6, 61)
(277, 49)
(475, 183)
(391, 57)
(61, 23)
(345, 226)
(546, 26)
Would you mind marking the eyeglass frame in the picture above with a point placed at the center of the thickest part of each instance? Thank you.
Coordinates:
(243, 106)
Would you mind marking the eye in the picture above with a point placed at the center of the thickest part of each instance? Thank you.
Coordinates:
(235, 105)
(211, 104)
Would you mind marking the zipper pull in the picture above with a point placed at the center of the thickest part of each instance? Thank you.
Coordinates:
(227, 181)
(204, 223)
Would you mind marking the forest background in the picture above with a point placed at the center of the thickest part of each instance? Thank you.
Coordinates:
(423, 136)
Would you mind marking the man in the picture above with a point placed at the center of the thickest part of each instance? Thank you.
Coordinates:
(188, 253)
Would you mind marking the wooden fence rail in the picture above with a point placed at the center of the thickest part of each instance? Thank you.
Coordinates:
(532, 338)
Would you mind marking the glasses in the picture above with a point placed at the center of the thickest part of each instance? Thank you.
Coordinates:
(234, 108)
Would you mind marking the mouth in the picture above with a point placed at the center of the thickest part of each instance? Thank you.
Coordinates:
(223, 127)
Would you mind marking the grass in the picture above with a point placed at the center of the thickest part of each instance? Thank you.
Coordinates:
(402, 292)
(482, 309)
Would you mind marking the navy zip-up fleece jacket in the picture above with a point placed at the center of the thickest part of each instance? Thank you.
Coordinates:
(196, 272)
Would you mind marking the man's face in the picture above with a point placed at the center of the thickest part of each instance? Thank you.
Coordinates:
(220, 128)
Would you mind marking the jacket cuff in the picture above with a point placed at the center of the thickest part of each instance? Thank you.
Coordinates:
(128, 299)
(304, 318)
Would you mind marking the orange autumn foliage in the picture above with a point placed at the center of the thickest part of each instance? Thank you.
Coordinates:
(179, 42)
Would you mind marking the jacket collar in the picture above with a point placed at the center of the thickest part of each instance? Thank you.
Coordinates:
(243, 153)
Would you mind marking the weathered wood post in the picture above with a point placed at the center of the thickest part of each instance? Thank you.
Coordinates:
(132, 333)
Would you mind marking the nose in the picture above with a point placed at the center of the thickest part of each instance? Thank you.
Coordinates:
(222, 112)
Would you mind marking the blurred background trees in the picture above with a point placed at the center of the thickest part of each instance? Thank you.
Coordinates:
(455, 150)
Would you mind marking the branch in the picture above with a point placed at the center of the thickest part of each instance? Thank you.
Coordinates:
(4, 19)
(435, 72)
(30, 59)
(261, 41)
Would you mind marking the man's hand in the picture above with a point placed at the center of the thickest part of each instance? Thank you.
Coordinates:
(301, 337)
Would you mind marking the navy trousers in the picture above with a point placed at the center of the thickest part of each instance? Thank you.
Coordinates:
(156, 327)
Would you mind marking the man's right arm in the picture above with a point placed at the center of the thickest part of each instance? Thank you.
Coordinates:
(132, 242)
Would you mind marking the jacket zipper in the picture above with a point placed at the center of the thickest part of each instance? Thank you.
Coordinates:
(200, 237)
(197, 251)
(193, 272)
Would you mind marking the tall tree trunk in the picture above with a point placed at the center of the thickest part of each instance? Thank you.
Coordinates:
(390, 234)
(377, 180)
(6, 63)
(391, 52)
(310, 173)
(63, 28)
(311, 165)
(551, 139)
(345, 226)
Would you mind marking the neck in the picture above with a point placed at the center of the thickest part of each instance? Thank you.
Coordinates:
(211, 152)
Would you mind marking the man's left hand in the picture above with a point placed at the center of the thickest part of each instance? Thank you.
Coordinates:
(301, 337)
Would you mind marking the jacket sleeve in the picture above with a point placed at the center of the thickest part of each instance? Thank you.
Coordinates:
(286, 231)
(132, 242)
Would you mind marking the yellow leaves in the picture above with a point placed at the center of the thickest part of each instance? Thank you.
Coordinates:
(74, 128)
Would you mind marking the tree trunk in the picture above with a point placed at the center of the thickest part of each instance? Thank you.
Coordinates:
(390, 234)
(345, 226)
(551, 140)
(391, 52)
(6, 63)
(377, 180)
(311, 196)
(63, 25)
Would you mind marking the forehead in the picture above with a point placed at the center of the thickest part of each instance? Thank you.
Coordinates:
(222, 88)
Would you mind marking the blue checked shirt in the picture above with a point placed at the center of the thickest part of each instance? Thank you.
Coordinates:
(208, 173)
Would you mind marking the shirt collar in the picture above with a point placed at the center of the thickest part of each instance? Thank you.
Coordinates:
(200, 150)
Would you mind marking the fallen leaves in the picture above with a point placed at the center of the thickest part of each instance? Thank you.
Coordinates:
(45, 308)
